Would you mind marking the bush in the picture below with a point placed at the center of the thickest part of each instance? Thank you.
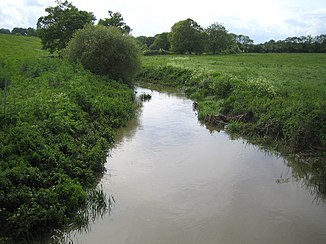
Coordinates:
(105, 51)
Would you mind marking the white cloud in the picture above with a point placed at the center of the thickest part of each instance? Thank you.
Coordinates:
(260, 19)
(21, 13)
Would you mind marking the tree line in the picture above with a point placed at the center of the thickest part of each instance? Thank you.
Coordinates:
(303, 44)
(19, 31)
(188, 37)
(185, 37)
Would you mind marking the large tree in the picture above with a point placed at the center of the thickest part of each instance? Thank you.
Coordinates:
(218, 39)
(115, 20)
(57, 28)
(186, 36)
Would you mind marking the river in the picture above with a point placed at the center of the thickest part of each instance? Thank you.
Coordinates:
(174, 181)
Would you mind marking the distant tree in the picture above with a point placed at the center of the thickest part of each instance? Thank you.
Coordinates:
(243, 42)
(115, 20)
(319, 44)
(57, 28)
(218, 39)
(105, 51)
(4, 31)
(141, 40)
(145, 42)
(31, 32)
(161, 42)
(270, 46)
(302, 44)
(187, 36)
(19, 31)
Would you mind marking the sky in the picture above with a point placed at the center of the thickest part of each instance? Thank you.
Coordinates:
(261, 20)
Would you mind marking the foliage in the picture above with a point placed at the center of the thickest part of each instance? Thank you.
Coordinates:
(161, 42)
(167, 75)
(57, 28)
(19, 31)
(53, 142)
(115, 20)
(5, 31)
(145, 42)
(186, 36)
(104, 50)
(244, 42)
(303, 44)
(218, 39)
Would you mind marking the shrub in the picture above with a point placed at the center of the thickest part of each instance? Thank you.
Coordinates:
(105, 51)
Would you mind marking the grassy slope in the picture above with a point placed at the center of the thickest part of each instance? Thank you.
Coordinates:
(53, 138)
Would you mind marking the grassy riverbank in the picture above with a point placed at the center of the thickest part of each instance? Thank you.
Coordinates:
(58, 125)
(277, 100)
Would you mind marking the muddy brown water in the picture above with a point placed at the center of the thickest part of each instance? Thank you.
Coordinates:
(174, 181)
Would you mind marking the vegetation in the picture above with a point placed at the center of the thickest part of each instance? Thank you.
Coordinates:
(59, 115)
(275, 98)
(58, 126)
(104, 50)
(117, 21)
(303, 44)
(218, 40)
(161, 42)
(186, 36)
(19, 31)
(57, 28)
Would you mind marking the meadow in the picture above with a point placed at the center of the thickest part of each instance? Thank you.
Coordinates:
(276, 100)
(58, 125)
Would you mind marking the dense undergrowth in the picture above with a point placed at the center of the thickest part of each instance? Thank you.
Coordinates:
(54, 137)
(275, 100)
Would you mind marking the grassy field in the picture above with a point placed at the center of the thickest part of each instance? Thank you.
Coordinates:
(279, 97)
(304, 70)
(59, 124)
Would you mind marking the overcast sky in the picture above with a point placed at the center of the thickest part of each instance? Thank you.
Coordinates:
(262, 20)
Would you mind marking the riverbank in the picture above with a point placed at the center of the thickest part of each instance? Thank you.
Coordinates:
(275, 100)
(57, 125)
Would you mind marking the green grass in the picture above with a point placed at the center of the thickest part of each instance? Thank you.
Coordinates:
(285, 92)
(58, 126)
(299, 68)
(18, 47)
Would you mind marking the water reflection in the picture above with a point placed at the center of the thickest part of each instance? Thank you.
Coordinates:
(173, 182)
(310, 177)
